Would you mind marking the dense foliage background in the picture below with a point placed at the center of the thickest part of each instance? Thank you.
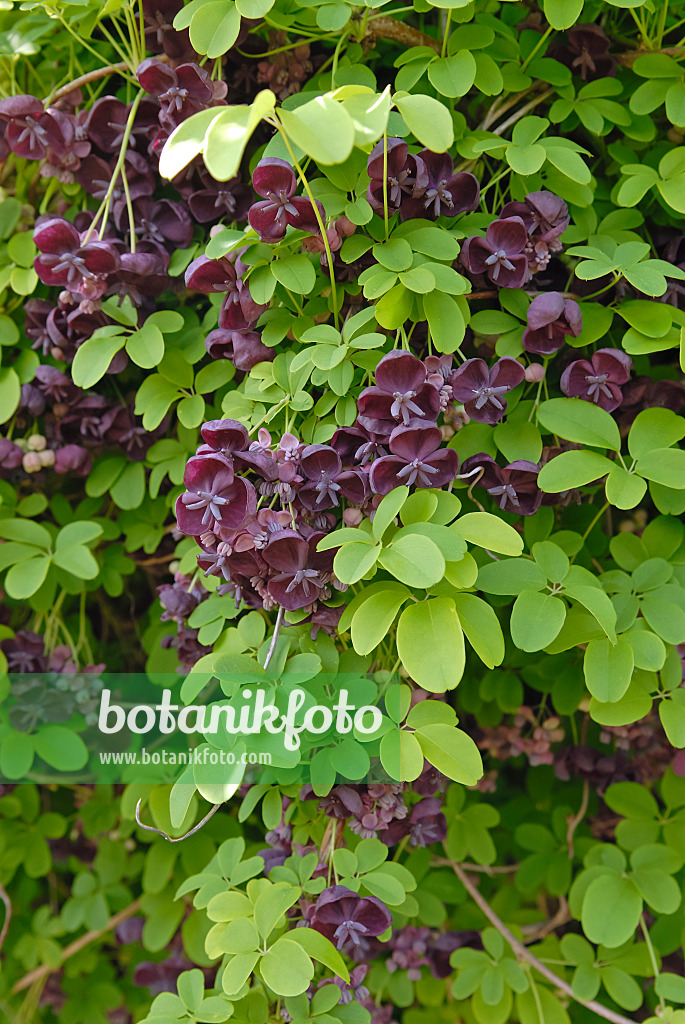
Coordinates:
(345, 342)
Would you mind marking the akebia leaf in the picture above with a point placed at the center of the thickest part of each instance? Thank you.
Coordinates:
(579, 421)
(452, 752)
(430, 644)
(373, 620)
(573, 469)
(481, 627)
(489, 532)
(608, 669)
(536, 619)
(664, 466)
(322, 128)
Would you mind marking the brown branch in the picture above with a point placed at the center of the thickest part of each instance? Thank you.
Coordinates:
(75, 947)
(90, 76)
(8, 914)
(523, 111)
(386, 27)
(535, 932)
(522, 953)
(574, 820)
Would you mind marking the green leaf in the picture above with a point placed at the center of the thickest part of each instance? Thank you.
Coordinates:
(319, 948)
(444, 317)
(490, 532)
(664, 466)
(672, 715)
(597, 603)
(579, 421)
(146, 346)
(389, 507)
(353, 561)
(322, 128)
(562, 14)
(430, 644)
(429, 121)
(16, 755)
(10, 393)
(453, 76)
(186, 142)
(414, 560)
(482, 628)
(295, 273)
(229, 133)
(624, 490)
(272, 904)
(536, 619)
(374, 618)
(552, 560)
(237, 971)
(670, 986)
(60, 748)
(573, 469)
(214, 28)
(93, 357)
(401, 755)
(77, 560)
(452, 752)
(26, 577)
(608, 669)
(510, 576)
(611, 910)
(129, 489)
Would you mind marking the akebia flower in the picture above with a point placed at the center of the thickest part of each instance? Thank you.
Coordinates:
(230, 199)
(416, 459)
(345, 918)
(500, 254)
(446, 193)
(514, 487)
(64, 261)
(600, 379)
(399, 175)
(214, 496)
(401, 393)
(31, 131)
(301, 571)
(482, 390)
(275, 181)
(550, 318)
(106, 124)
(326, 482)
(238, 311)
(425, 825)
(181, 91)
(586, 53)
(242, 348)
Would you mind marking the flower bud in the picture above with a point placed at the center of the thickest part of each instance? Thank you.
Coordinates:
(37, 443)
(534, 373)
(31, 462)
(352, 516)
(47, 457)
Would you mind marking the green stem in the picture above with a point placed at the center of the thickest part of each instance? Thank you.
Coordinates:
(445, 35)
(385, 181)
(594, 522)
(541, 42)
(652, 956)
(118, 169)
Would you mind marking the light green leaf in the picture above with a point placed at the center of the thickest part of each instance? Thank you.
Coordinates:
(389, 507)
(611, 910)
(573, 469)
(579, 421)
(430, 644)
(482, 628)
(490, 532)
(664, 466)
(373, 620)
(428, 120)
(93, 357)
(26, 577)
(414, 560)
(623, 489)
(322, 128)
(536, 619)
(608, 669)
(562, 14)
(452, 752)
(319, 948)
(453, 76)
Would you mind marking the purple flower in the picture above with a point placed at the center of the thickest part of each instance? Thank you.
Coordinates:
(599, 380)
(11, 455)
(214, 496)
(550, 318)
(352, 990)
(94, 175)
(401, 393)
(586, 53)
(275, 181)
(545, 215)
(238, 310)
(72, 458)
(425, 825)
(344, 917)
(159, 29)
(242, 348)
(301, 571)
(164, 223)
(326, 481)
(25, 652)
(514, 488)
(182, 91)
(500, 254)
(30, 130)
(231, 199)
(107, 121)
(417, 459)
(407, 176)
(446, 193)
(482, 390)
(64, 261)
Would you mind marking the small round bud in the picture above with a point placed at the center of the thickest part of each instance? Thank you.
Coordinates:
(60, 410)
(352, 516)
(31, 462)
(47, 457)
(534, 373)
(37, 443)
(675, 135)
(57, 353)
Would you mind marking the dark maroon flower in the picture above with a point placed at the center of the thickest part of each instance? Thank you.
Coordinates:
(30, 130)
(64, 261)
(500, 254)
(417, 459)
(545, 215)
(326, 481)
(514, 488)
(301, 572)
(95, 174)
(107, 121)
(242, 348)
(444, 945)
(446, 193)
(32, 400)
(55, 384)
(238, 311)
(225, 436)
(275, 181)
(352, 990)
(407, 176)
(325, 618)
(599, 380)
(230, 199)
(25, 652)
(344, 917)
(160, 33)
(213, 496)
(177, 601)
(425, 825)
(482, 390)
(73, 459)
(165, 222)
(401, 393)
(550, 318)
(644, 393)
(181, 91)
(586, 53)
(357, 447)
(11, 455)
(160, 977)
